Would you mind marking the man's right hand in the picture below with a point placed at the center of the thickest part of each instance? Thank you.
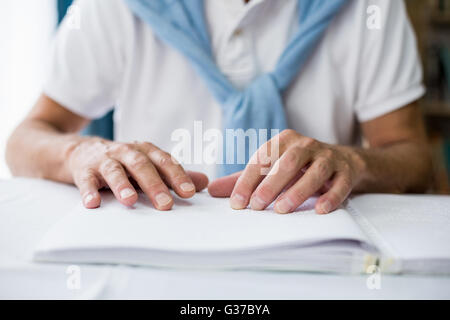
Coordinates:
(96, 163)
(47, 145)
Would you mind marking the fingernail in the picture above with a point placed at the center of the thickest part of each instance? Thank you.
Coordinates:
(257, 203)
(127, 193)
(88, 198)
(163, 199)
(326, 206)
(187, 187)
(237, 202)
(284, 206)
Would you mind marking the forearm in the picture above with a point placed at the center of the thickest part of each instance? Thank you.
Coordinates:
(37, 149)
(399, 168)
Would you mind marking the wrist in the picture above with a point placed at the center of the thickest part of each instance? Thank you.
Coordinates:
(358, 165)
(69, 144)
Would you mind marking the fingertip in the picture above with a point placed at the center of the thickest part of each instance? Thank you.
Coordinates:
(163, 201)
(130, 201)
(91, 200)
(282, 212)
(223, 187)
(164, 208)
(284, 206)
(324, 207)
(127, 196)
(186, 190)
(238, 202)
(257, 204)
(215, 190)
(199, 179)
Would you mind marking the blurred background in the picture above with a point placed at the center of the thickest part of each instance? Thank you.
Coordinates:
(431, 20)
(27, 27)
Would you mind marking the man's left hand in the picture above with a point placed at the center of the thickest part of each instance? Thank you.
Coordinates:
(301, 168)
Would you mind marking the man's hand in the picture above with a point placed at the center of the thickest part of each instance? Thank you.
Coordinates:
(47, 145)
(96, 163)
(304, 167)
(397, 160)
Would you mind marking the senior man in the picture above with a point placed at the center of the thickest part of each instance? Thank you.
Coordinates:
(326, 73)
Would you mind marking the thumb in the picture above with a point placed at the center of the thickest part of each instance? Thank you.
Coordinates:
(200, 180)
(223, 187)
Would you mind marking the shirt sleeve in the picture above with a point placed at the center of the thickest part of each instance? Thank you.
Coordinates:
(390, 72)
(87, 58)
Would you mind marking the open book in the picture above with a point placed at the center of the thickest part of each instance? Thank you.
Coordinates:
(409, 234)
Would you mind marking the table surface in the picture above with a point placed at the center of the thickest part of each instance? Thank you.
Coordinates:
(26, 213)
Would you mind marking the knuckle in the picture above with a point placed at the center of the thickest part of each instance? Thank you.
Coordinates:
(289, 161)
(156, 187)
(145, 145)
(334, 199)
(88, 176)
(307, 142)
(243, 185)
(177, 178)
(94, 143)
(346, 168)
(263, 157)
(346, 183)
(298, 196)
(162, 159)
(115, 177)
(110, 166)
(265, 192)
(322, 169)
(118, 148)
(137, 160)
(328, 154)
(86, 179)
(287, 134)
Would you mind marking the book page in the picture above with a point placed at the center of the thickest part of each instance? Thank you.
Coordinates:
(201, 224)
(407, 227)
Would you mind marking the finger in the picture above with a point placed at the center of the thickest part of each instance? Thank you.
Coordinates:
(340, 189)
(259, 166)
(283, 172)
(145, 174)
(88, 184)
(314, 178)
(222, 187)
(117, 180)
(172, 172)
(295, 179)
(255, 171)
(246, 183)
(199, 179)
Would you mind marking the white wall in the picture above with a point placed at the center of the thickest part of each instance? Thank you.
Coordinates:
(26, 28)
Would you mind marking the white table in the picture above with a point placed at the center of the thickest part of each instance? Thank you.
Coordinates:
(26, 214)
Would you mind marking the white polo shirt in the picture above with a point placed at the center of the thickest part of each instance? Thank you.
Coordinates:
(356, 73)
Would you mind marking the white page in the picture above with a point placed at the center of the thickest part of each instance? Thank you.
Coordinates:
(407, 227)
(201, 224)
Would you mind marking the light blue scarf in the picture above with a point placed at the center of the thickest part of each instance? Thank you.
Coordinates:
(182, 25)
